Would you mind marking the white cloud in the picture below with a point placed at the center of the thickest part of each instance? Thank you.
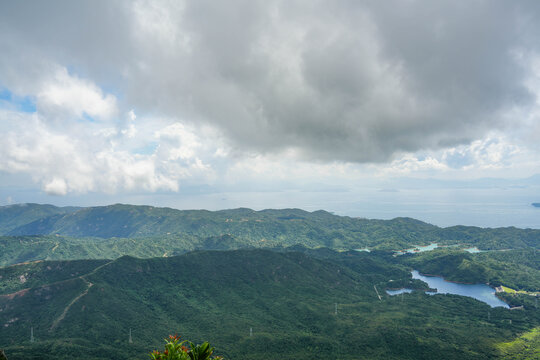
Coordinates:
(176, 142)
(56, 186)
(267, 91)
(70, 96)
(80, 160)
(340, 81)
(495, 155)
(411, 164)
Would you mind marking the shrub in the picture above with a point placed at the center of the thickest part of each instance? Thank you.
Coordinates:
(176, 350)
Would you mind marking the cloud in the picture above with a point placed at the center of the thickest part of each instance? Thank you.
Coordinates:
(79, 160)
(56, 186)
(490, 152)
(494, 155)
(150, 95)
(74, 97)
(342, 81)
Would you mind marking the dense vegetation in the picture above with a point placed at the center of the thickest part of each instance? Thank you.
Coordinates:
(286, 292)
(517, 269)
(14, 216)
(287, 298)
(178, 349)
(145, 231)
(277, 227)
(526, 347)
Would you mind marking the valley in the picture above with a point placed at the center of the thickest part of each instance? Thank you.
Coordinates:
(304, 292)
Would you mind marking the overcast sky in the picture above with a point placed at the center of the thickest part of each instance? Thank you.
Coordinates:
(171, 102)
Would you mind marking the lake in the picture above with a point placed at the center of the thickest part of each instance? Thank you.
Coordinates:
(480, 292)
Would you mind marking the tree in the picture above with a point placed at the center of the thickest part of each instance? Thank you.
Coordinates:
(176, 350)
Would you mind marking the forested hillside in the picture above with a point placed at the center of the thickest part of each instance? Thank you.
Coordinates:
(145, 231)
(293, 277)
(86, 309)
(14, 216)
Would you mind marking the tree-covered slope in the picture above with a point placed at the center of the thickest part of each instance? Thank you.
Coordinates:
(268, 228)
(39, 273)
(525, 347)
(287, 299)
(18, 249)
(310, 228)
(14, 216)
(517, 269)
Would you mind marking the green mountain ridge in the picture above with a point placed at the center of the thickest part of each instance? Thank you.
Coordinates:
(16, 215)
(121, 220)
(264, 228)
(213, 275)
(287, 298)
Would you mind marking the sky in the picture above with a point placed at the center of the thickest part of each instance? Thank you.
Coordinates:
(428, 109)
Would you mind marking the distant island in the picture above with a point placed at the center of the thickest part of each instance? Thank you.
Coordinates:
(536, 205)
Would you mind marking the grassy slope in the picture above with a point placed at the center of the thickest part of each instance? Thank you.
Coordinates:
(525, 347)
(287, 298)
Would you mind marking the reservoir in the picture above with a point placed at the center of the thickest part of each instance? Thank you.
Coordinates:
(480, 292)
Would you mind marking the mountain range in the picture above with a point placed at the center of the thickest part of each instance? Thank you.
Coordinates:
(271, 284)
(32, 232)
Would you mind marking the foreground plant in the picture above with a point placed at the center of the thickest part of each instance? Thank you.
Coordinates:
(176, 350)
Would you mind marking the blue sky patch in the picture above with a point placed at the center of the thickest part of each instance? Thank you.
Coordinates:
(27, 104)
(5, 94)
(147, 149)
(88, 117)
(21, 103)
(459, 160)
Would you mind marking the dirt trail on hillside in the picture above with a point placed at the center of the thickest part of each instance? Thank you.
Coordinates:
(78, 297)
(63, 315)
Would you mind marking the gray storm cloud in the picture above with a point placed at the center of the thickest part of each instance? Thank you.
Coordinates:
(332, 80)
